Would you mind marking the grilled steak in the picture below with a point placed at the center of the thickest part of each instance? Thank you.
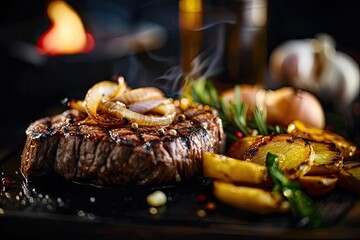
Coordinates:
(73, 147)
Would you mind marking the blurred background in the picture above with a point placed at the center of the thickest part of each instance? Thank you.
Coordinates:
(160, 42)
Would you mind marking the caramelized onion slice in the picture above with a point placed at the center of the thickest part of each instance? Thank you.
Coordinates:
(93, 99)
(163, 109)
(147, 105)
(77, 104)
(119, 111)
(106, 103)
(139, 94)
(121, 88)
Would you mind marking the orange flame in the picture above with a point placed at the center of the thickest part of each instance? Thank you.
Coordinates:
(66, 35)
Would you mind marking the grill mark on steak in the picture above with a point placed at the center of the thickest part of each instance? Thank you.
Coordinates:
(73, 147)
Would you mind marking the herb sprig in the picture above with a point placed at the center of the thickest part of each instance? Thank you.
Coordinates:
(234, 114)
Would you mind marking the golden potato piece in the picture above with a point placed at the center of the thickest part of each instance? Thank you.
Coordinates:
(349, 176)
(295, 154)
(250, 199)
(233, 170)
(301, 129)
(317, 186)
(328, 159)
(238, 148)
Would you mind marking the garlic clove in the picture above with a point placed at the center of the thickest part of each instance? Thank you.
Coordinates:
(316, 66)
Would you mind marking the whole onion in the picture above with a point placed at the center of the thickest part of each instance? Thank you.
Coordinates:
(287, 104)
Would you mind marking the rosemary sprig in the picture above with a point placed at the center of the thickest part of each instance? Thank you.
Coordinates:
(260, 122)
(234, 114)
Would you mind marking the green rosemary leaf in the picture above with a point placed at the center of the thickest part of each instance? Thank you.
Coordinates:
(260, 121)
(238, 119)
(237, 96)
(276, 129)
(214, 98)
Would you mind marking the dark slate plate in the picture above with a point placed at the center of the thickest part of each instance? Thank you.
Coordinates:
(56, 208)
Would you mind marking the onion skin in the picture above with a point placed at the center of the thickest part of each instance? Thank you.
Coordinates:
(119, 111)
(286, 105)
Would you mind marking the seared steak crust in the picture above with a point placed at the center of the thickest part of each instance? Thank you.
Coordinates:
(73, 147)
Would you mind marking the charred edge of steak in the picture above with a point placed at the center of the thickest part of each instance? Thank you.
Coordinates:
(73, 148)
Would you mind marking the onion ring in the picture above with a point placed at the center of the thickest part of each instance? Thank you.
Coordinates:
(93, 100)
(119, 111)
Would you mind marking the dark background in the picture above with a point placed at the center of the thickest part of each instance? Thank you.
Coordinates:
(30, 90)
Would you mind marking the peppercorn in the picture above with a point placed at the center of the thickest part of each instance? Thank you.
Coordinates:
(5, 182)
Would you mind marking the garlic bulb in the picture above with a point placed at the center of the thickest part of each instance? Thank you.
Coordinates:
(315, 65)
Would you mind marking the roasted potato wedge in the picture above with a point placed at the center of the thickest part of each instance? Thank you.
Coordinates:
(301, 129)
(238, 148)
(252, 199)
(295, 154)
(233, 170)
(349, 176)
(328, 159)
(317, 186)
